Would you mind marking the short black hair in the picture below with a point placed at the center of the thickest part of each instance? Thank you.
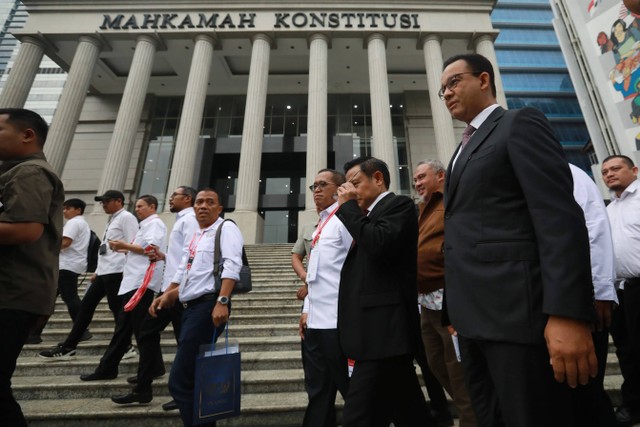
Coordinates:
(478, 64)
(189, 191)
(338, 177)
(211, 190)
(149, 199)
(26, 119)
(625, 159)
(76, 204)
(370, 165)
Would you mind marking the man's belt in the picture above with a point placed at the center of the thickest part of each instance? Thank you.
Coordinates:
(200, 300)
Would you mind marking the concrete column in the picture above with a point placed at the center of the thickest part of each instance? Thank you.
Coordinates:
(246, 212)
(74, 93)
(484, 46)
(316, 120)
(382, 145)
(442, 122)
(116, 165)
(22, 74)
(185, 155)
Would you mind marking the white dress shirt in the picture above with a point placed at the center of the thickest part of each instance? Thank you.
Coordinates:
(74, 257)
(590, 200)
(198, 280)
(323, 271)
(121, 226)
(624, 216)
(152, 232)
(375, 202)
(183, 230)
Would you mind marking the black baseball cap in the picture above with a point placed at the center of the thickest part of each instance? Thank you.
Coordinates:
(110, 195)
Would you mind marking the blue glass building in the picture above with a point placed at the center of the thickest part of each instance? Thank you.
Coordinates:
(534, 72)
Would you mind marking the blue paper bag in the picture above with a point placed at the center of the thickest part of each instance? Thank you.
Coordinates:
(217, 383)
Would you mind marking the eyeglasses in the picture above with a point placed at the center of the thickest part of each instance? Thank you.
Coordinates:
(321, 185)
(453, 81)
(177, 194)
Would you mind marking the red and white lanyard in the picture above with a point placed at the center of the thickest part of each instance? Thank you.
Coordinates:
(193, 245)
(320, 228)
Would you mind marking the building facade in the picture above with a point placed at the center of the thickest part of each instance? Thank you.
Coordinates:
(247, 97)
(600, 40)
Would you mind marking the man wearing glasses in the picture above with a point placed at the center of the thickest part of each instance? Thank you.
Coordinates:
(516, 257)
(325, 366)
(122, 225)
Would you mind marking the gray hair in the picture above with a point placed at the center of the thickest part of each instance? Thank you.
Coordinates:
(434, 164)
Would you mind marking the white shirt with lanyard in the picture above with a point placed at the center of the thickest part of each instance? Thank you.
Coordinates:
(329, 248)
(195, 273)
(121, 226)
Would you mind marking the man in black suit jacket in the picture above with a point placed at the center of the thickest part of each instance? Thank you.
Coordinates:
(516, 257)
(378, 321)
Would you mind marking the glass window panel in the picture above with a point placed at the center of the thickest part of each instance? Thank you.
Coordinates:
(223, 127)
(277, 125)
(537, 82)
(516, 14)
(278, 186)
(302, 125)
(175, 106)
(238, 104)
(530, 58)
(236, 125)
(509, 36)
(291, 126)
(276, 226)
(551, 107)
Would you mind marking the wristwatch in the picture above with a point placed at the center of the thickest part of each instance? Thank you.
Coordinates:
(223, 300)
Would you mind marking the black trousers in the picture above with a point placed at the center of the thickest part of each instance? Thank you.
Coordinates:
(513, 385)
(15, 326)
(149, 344)
(325, 372)
(625, 331)
(437, 398)
(126, 323)
(107, 284)
(591, 404)
(384, 391)
(68, 290)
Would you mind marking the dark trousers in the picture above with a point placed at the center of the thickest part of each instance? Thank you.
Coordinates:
(625, 331)
(149, 344)
(127, 322)
(197, 329)
(591, 404)
(437, 398)
(384, 391)
(513, 385)
(107, 284)
(15, 326)
(68, 290)
(325, 372)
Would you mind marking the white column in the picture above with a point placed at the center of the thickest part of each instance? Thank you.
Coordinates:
(442, 123)
(116, 165)
(484, 46)
(246, 214)
(382, 145)
(74, 93)
(316, 120)
(185, 156)
(24, 70)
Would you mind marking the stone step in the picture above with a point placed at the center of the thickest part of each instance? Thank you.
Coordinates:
(97, 347)
(274, 308)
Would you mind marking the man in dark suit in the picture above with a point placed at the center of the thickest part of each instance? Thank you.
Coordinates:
(378, 321)
(516, 257)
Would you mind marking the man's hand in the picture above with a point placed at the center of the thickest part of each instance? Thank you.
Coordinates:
(166, 300)
(220, 314)
(571, 350)
(346, 192)
(452, 331)
(302, 325)
(93, 277)
(603, 312)
(302, 292)
(118, 245)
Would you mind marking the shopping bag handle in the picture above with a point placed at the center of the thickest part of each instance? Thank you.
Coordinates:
(226, 337)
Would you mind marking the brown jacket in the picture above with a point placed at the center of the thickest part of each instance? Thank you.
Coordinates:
(430, 243)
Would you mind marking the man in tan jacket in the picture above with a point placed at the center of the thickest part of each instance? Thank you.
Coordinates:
(428, 180)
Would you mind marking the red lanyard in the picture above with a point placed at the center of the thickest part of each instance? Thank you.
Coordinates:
(320, 228)
(192, 248)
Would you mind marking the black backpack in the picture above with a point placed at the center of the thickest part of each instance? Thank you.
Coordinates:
(92, 252)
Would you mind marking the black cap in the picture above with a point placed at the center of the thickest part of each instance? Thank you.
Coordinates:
(110, 195)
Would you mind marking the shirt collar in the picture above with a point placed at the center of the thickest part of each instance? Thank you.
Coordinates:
(375, 202)
(148, 219)
(204, 230)
(480, 118)
(325, 213)
(631, 188)
(184, 212)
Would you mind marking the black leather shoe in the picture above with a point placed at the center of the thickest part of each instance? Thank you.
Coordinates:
(627, 416)
(97, 376)
(442, 418)
(132, 397)
(170, 406)
(134, 379)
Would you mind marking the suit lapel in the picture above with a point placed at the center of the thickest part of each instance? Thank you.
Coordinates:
(454, 173)
(377, 209)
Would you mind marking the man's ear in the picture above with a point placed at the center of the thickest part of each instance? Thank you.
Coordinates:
(378, 177)
(29, 136)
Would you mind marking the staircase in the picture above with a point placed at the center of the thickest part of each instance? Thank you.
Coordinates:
(265, 324)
